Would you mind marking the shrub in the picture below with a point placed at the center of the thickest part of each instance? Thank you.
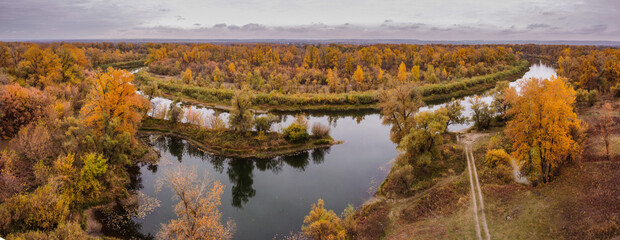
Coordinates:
(400, 179)
(264, 123)
(241, 117)
(438, 201)
(592, 97)
(320, 130)
(175, 113)
(20, 106)
(370, 222)
(504, 173)
(497, 157)
(194, 116)
(296, 133)
(616, 90)
(322, 141)
(581, 96)
(323, 224)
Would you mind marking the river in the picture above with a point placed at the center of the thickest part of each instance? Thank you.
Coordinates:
(269, 197)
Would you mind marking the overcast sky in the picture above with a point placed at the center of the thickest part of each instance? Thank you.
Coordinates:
(311, 19)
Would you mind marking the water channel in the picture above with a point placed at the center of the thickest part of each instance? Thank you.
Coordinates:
(269, 197)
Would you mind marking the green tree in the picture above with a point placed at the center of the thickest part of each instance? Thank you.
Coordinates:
(499, 104)
(175, 113)
(89, 183)
(422, 142)
(264, 123)
(482, 113)
(454, 111)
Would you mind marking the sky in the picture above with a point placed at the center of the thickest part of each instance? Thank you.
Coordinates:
(492, 20)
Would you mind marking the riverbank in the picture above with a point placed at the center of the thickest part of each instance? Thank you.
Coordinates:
(228, 143)
(431, 93)
(124, 65)
(581, 202)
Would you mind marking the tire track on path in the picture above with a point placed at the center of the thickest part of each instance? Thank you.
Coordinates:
(467, 140)
(473, 193)
(484, 218)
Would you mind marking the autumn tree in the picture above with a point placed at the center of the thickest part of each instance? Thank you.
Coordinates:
(264, 123)
(40, 67)
(606, 126)
(321, 224)
(422, 142)
(415, 73)
(113, 97)
(358, 76)
(398, 106)
(333, 82)
(454, 111)
(198, 216)
(90, 183)
(402, 72)
(588, 75)
(482, 113)
(499, 104)
(187, 76)
(241, 116)
(73, 62)
(20, 106)
(175, 112)
(542, 124)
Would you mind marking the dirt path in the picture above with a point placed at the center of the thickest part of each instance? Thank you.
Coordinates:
(467, 140)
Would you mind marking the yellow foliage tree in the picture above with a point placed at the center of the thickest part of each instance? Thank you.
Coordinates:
(332, 81)
(359, 75)
(542, 124)
(114, 98)
(402, 72)
(187, 76)
(415, 73)
(41, 67)
(321, 224)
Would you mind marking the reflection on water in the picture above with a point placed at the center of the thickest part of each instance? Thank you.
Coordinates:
(271, 196)
(266, 197)
(239, 171)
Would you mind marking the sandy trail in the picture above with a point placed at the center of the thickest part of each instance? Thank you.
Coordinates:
(467, 141)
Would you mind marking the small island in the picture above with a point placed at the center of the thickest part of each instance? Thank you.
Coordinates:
(245, 135)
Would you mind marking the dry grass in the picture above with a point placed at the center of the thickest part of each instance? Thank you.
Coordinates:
(581, 202)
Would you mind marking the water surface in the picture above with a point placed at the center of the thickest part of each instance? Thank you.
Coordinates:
(269, 197)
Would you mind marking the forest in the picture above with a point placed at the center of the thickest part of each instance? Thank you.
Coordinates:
(72, 120)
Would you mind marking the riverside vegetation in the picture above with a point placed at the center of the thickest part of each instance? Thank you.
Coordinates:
(73, 128)
(542, 126)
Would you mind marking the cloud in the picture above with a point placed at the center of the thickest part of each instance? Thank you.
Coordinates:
(593, 29)
(319, 19)
(537, 26)
(69, 18)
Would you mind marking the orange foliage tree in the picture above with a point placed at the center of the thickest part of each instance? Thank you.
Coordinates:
(19, 106)
(542, 125)
(114, 98)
